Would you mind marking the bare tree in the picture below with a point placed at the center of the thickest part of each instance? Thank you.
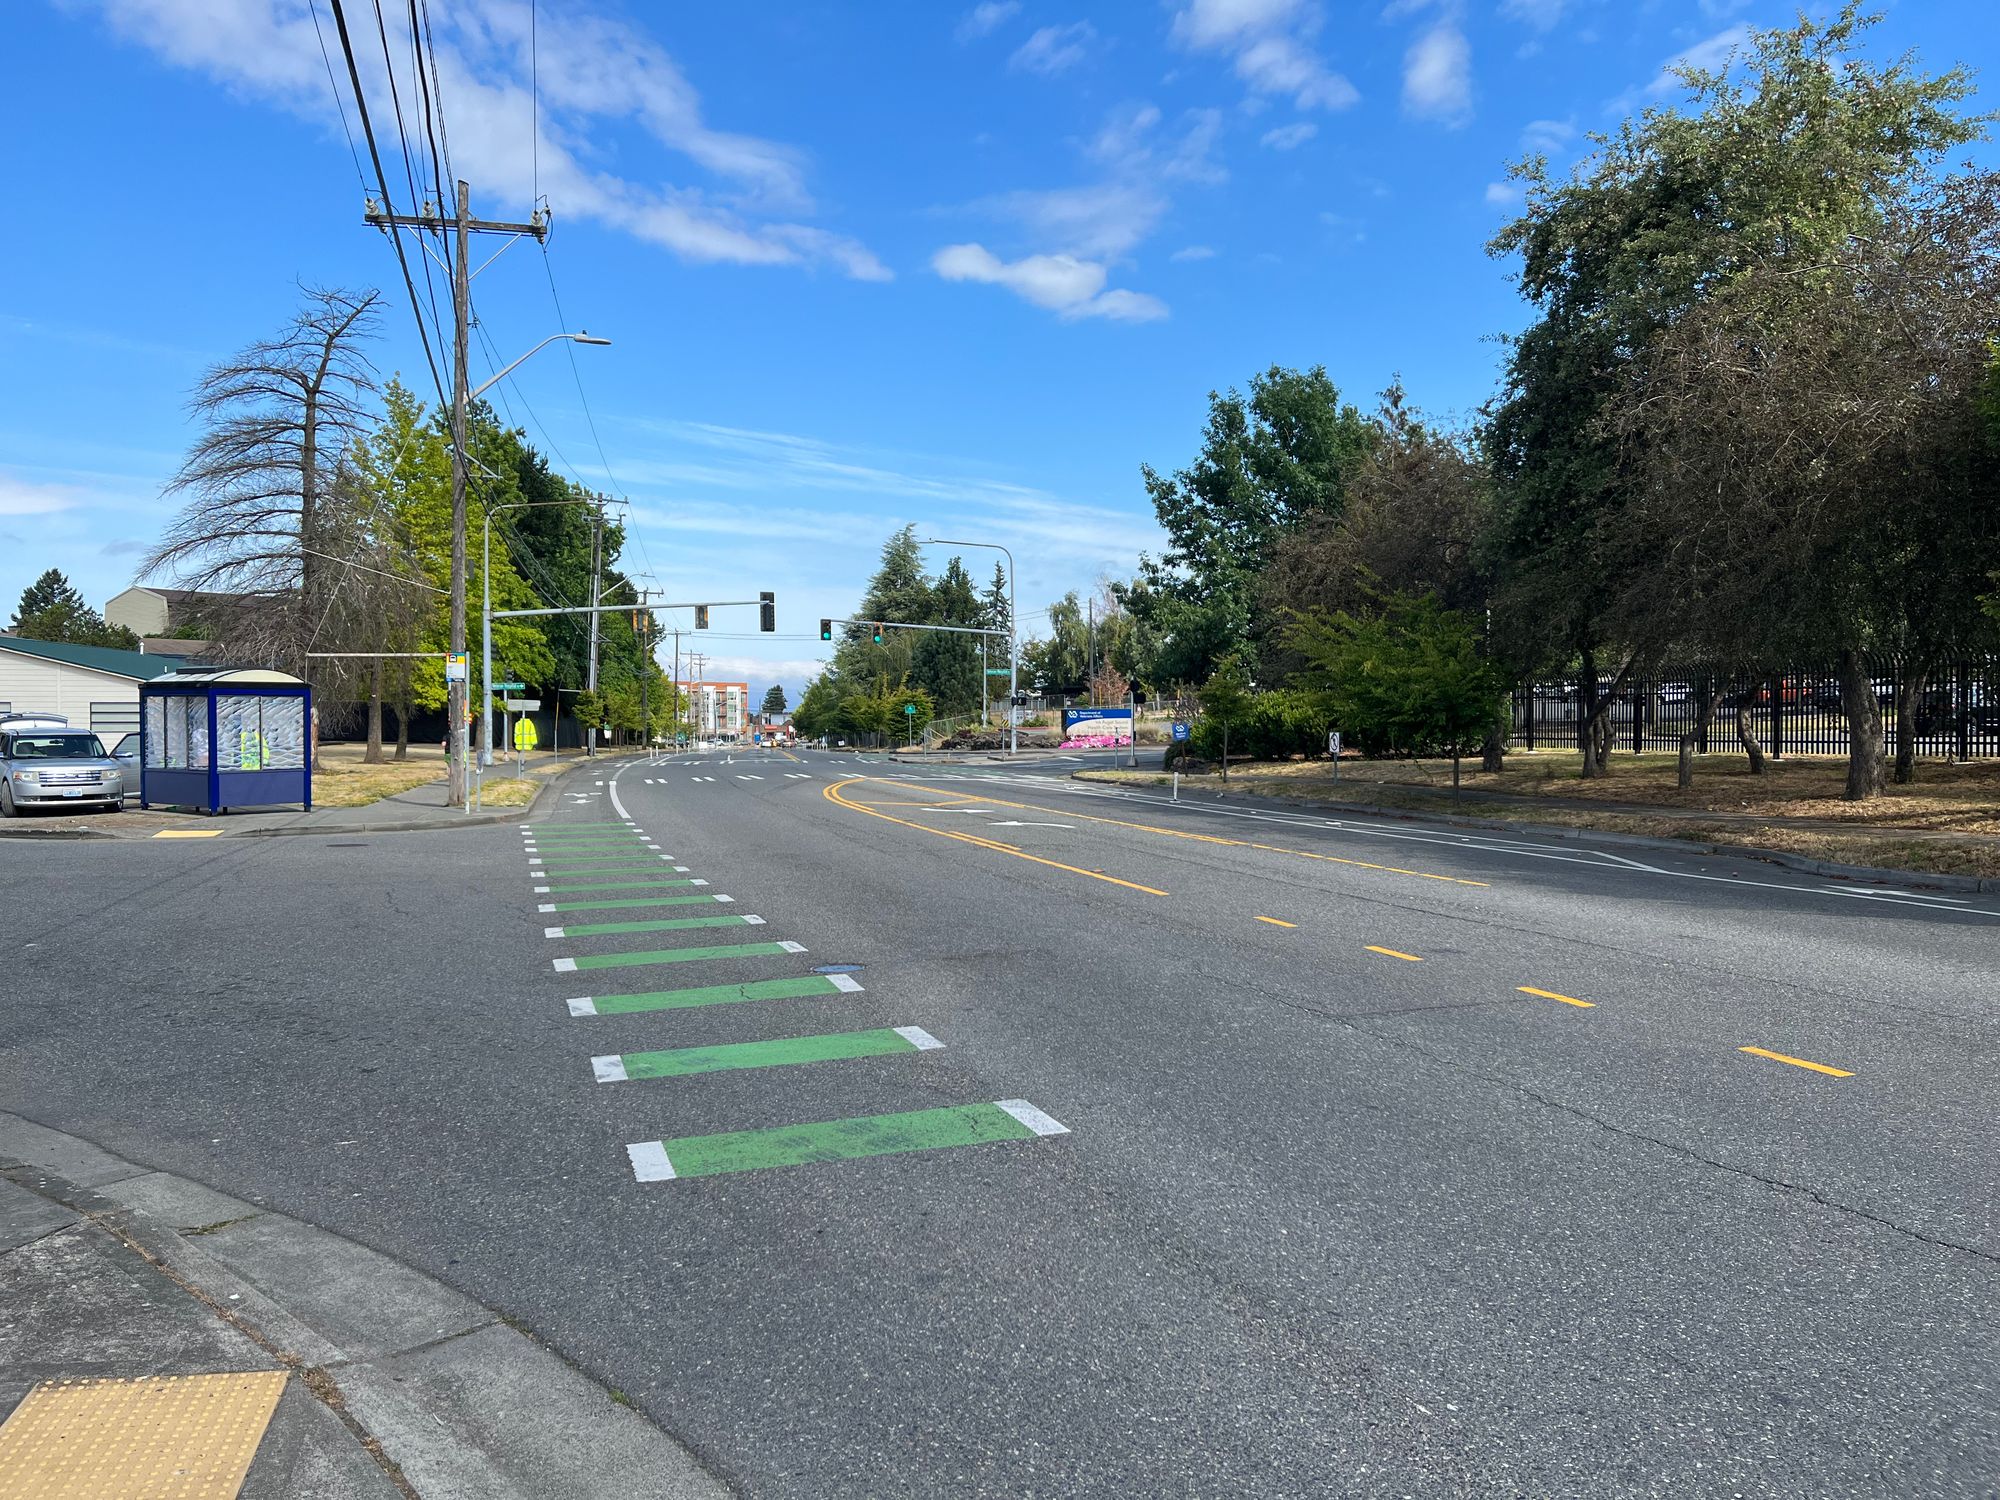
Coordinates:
(259, 526)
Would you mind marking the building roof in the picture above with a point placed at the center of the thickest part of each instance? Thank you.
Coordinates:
(136, 665)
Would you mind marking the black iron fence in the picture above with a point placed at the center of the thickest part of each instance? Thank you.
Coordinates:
(1954, 711)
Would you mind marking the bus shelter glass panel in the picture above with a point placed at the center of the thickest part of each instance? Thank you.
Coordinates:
(177, 732)
(256, 732)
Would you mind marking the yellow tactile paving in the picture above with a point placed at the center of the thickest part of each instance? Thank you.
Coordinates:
(168, 1437)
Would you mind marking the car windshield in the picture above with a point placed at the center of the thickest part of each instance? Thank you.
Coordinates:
(58, 747)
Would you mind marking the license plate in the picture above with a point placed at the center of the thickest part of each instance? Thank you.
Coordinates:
(74, 791)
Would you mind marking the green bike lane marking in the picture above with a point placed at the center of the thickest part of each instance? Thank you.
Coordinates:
(840, 1140)
(716, 994)
(673, 956)
(836, 1046)
(657, 924)
(606, 903)
(599, 867)
(595, 841)
(619, 885)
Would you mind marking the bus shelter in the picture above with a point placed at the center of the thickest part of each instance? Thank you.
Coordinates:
(216, 739)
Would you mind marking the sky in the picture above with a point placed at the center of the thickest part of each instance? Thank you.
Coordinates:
(967, 266)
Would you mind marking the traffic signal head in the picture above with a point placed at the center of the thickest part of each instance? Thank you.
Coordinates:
(826, 630)
(878, 632)
(767, 611)
(701, 617)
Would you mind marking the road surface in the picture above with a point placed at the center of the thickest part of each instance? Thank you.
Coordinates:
(1001, 1135)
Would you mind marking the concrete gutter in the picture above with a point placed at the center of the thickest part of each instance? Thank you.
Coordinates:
(1805, 865)
(450, 1400)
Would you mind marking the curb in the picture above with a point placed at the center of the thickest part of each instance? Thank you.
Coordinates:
(1803, 864)
(457, 1398)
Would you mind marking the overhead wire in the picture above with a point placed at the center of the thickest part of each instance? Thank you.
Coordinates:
(339, 103)
(410, 170)
(388, 199)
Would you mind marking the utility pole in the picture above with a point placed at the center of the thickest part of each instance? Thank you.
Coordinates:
(643, 621)
(677, 687)
(596, 582)
(462, 225)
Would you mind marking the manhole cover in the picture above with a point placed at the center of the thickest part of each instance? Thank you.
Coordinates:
(838, 969)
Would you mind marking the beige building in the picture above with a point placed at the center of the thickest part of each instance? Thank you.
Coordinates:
(718, 707)
(148, 612)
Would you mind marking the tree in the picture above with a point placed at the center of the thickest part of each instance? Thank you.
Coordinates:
(404, 468)
(1409, 680)
(1419, 506)
(1777, 417)
(260, 520)
(1268, 461)
(995, 613)
(1058, 664)
(51, 609)
(1225, 698)
(1792, 161)
(774, 700)
(943, 663)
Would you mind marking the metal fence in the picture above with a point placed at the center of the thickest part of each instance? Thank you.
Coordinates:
(1956, 717)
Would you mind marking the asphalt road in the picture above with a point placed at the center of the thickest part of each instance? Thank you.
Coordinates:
(1314, 1179)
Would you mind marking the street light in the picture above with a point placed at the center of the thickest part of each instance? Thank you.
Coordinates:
(1013, 636)
(457, 693)
(554, 338)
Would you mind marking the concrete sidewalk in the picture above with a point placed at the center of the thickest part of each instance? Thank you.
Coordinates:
(159, 1323)
(417, 809)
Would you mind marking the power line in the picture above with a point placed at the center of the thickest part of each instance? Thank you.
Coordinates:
(409, 168)
(339, 103)
(388, 200)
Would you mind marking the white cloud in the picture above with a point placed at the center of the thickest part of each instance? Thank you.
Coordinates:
(1710, 55)
(1437, 76)
(592, 72)
(1054, 49)
(21, 497)
(986, 18)
(1268, 44)
(1104, 219)
(1502, 194)
(1208, 24)
(1192, 252)
(1542, 15)
(1547, 136)
(1289, 137)
(1063, 284)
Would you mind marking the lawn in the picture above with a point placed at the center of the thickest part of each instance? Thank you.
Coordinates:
(342, 779)
(1947, 822)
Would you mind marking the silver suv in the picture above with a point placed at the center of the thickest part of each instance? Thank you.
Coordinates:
(44, 764)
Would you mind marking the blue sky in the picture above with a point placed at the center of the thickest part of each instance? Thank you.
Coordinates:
(963, 265)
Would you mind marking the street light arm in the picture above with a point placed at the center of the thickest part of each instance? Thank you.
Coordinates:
(1013, 636)
(554, 338)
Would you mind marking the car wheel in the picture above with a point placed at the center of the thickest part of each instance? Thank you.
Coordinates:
(7, 808)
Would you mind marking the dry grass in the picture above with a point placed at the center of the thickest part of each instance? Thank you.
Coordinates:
(509, 791)
(1948, 822)
(342, 779)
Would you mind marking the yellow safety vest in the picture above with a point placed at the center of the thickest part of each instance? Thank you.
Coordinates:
(525, 737)
(250, 749)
